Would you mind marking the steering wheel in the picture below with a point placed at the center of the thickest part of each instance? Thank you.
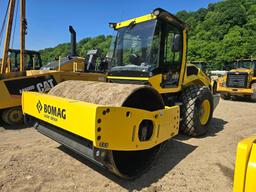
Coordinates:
(135, 59)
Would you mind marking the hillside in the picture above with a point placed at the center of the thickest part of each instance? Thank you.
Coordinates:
(83, 46)
(219, 34)
(223, 32)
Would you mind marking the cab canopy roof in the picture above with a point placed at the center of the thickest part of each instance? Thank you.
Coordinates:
(156, 14)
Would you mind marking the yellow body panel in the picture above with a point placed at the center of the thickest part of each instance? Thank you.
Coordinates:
(129, 78)
(12, 75)
(88, 121)
(156, 81)
(242, 70)
(7, 100)
(196, 78)
(76, 64)
(235, 91)
(200, 78)
(38, 72)
(141, 19)
(64, 76)
(250, 184)
(245, 169)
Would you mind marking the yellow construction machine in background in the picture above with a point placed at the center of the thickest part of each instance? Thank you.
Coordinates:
(148, 97)
(245, 169)
(36, 77)
(21, 70)
(13, 84)
(240, 81)
(70, 63)
(15, 76)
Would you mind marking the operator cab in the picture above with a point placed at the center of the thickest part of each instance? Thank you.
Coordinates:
(246, 64)
(32, 60)
(147, 46)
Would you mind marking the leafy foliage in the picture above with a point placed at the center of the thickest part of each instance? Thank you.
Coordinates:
(222, 33)
(63, 50)
(219, 34)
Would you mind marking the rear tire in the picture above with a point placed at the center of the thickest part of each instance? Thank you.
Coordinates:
(225, 96)
(13, 116)
(196, 111)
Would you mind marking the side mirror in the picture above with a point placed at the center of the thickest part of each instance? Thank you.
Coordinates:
(177, 43)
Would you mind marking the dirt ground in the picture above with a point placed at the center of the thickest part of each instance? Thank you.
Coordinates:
(30, 161)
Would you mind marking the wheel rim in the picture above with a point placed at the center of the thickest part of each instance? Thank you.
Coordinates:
(205, 112)
(15, 116)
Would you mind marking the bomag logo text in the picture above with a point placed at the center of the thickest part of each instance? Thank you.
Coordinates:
(55, 111)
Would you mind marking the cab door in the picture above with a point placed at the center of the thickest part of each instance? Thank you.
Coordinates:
(171, 57)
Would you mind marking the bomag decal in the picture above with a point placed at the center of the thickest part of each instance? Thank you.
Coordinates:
(55, 111)
(51, 112)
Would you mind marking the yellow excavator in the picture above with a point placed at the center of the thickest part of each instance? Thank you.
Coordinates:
(148, 96)
(21, 70)
(15, 75)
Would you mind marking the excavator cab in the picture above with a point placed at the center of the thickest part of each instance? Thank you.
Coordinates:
(148, 46)
(32, 60)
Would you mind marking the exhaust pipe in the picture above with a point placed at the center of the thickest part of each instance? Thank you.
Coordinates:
(72, 41)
